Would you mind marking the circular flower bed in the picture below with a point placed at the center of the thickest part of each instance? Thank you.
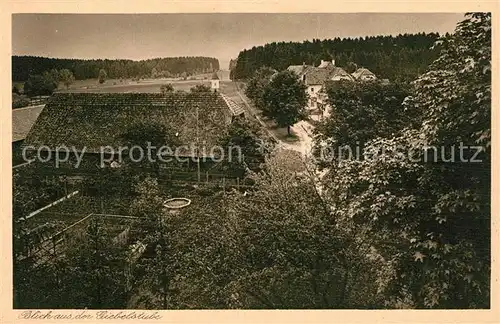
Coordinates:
(176, 203)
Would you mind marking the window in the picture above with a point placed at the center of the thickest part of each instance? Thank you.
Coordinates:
(312, 90)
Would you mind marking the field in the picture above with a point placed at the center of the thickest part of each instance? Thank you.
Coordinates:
(127, 86)
(143, 85)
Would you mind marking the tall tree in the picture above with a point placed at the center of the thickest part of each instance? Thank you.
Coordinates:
(255, 86)
(39, 85)
(103, 75)
(94, 267)
(247, 138)
(285, 99)
(66, 77)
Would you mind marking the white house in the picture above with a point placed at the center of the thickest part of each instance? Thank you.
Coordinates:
(315, 79)
(215, 82)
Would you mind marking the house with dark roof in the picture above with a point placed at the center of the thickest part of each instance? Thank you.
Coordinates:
(316, 77)
(89, 122)
(363, 74)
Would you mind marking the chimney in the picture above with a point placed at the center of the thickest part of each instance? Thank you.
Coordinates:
(333, 62)
(303, 64)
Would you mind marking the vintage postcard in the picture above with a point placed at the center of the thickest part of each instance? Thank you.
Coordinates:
(317, 165)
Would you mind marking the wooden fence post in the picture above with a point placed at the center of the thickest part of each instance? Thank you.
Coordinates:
(207, 176)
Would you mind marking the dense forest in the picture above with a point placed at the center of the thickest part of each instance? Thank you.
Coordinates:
(23, 66)
(401, 57)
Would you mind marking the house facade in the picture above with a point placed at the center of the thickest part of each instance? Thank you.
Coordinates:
(316, 77)
(214, 82)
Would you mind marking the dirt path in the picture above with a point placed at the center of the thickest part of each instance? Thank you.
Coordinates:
(303, 131)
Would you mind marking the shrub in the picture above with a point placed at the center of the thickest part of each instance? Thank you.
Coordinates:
(39, 85)
(19, 101)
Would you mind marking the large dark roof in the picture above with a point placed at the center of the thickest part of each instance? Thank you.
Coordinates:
(94, 120)
(298, 69)
(22, 121)
(316, 76)
(319, 75)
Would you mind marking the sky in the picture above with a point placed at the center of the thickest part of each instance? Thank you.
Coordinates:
(223, 36)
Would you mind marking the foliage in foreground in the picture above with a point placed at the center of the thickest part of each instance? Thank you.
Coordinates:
(362, 112)
(90, 275)
(291, 252)
(431, 218)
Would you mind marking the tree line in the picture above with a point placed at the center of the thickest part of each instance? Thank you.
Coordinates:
(24, 66)
(400, 57)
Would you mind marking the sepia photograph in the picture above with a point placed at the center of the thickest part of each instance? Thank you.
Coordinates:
(292, 161)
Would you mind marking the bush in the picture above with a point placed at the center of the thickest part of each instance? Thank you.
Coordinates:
(39, 85)
(103, 75)
(19, 101)
(164, 88)
(201, 88)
